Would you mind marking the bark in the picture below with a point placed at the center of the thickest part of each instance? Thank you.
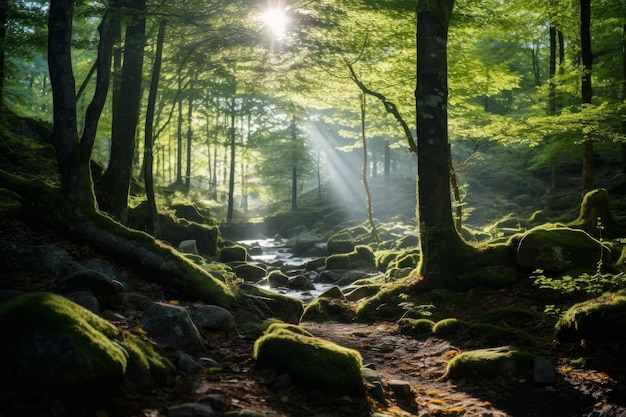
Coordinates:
(231, 178)
(114, 186)
(552, 74)
(294, 166)
(370, 204)
(595, 216)
(153, 226)
(179, 138)
(444, 255)
(189, 138)
(4, 15)
(586, 93)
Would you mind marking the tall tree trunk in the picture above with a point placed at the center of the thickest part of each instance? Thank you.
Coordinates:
(189, 138)
(552, 74)
(4, 15)
(115, 183)
(74, 154)
(294, 165)
(148, 152)
(586, 94)
(368, 194)
(231, 179)
(443, 252)
(624, 93)
(179, 137)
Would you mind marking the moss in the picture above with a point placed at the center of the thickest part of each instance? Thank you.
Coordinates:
(234, 253)
(278, 327)
(282, 307)
(505, 361)
(450, 327)
(383, 305)
(323, 308)
(112, 352)
(415, 327)
(602, 318)
(311, 362)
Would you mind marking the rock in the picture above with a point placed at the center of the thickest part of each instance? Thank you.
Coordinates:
(277, 279)
(301, 243)
(171, 326)
(214, 318)
(274, 305)
(188, 246)
(53, 344)
(103, 287)
(86, 300)
(300, 282)
(401, 389)
(192, 410)
(234, 253)
(543, 372)
(249, 272)
(599, 319)
(504, 361)
(333, 292)
(311, 362)
(558, 249)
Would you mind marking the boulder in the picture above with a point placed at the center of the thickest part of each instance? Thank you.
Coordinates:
(310, 361)
(503, 361)
(172, 326)
(559, 249)
(51, 343)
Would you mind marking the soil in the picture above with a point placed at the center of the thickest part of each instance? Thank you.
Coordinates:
(590, 380)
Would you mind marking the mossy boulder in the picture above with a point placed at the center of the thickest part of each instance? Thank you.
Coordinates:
(361, 257)
(503, 361)
(234, 253)
(602, 318)
(492, 334)
(277, 279)
(287, 309)
(52, 343)
(559, 249)
(311, 362)
(327, 309)
(415, 327)
(451, 327)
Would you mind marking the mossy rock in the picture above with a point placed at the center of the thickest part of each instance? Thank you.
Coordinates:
(287, 327)
(311, 362)
(559, 249)
(450, 327)
(328, 309)
(362, 256)
(385, 304)
(277, 279)
(602, 318)
(503, 361)
(234, 253)
(61, 345)
(359, 292)
(287, 309)
(415, 327)
(249, 272)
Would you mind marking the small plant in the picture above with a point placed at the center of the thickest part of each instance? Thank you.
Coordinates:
(592, 285)
(412, 310)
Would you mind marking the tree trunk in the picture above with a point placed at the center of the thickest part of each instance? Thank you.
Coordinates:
(586, 93)
(153, 226)
(179, 137)
(189, 138)
(552, 74)
(368, 194)
(444, 254)
(231, 179)
(4, 15)
(114, 186)
(294, 166)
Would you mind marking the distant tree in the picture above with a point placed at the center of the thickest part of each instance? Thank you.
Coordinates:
(586, 92)
(114, 186)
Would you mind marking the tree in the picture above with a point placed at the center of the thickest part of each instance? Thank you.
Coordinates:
(113, 187)
(586, 93)
(444, 255)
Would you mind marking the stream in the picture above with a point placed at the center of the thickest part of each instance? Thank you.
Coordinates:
(275, 254)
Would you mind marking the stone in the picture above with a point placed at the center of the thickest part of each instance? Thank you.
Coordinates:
(543, 372)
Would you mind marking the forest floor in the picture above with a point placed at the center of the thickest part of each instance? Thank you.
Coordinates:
(590, 381)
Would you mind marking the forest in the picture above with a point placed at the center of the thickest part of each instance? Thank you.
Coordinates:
(295, 208)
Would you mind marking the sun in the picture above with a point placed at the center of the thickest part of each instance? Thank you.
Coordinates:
(277, 21)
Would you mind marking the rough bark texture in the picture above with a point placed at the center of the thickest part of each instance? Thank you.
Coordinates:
(595, 216)
(443, 252)
(115, 183)
(586, 93)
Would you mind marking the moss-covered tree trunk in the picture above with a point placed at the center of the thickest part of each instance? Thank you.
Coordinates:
(443, 252)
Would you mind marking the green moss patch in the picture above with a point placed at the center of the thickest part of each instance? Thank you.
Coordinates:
(415, 327)
(504, 361)
(594, 320)
(57, 342)
(450, 327)
(311, 362)
(324, 309)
